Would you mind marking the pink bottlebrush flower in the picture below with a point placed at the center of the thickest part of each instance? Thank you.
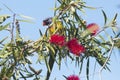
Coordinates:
(74, 47)
(57, 40)
(73, 77)
(93, 28)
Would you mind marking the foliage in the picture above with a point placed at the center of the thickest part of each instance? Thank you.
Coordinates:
(65, 25)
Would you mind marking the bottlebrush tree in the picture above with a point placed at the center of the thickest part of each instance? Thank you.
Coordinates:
(67, 36)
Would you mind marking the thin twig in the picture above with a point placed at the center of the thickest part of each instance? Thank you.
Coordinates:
(110, 52)
(12, 29)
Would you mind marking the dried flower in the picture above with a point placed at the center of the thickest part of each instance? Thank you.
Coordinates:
(57, 40)
(93, 28)
(74, 47)
(73, 77)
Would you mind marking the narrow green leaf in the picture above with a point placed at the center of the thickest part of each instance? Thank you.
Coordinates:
(81, 66)
(87, 69)
(3, 40)
(14, 77)
(28, 21)
(85, 33)
(117, 43)
(29, 75)
(55, 8)
(115, 17)
(59, 60)
(78, 19)
(3, 53)
(10, 71)
(2, 62)
(4, 27)
(114, 30)
(105, 17)
(40, 57)
(3, 71)
(51, 48)
(3, 18)
(32, 69)
(26, 17)
(117, 35)
(47, 65)
(102, 38)
(93, 8)
(40, 32)
(65, 76)
(38, 72)
(22, 76)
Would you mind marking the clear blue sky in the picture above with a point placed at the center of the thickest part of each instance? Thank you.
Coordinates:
(40, 9)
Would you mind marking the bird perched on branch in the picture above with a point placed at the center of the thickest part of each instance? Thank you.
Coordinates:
(54, 25)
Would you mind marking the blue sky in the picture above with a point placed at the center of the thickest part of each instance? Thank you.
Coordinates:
(41, 9)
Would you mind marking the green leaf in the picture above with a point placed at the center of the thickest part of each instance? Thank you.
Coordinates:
(93, 8)
(26, 17)
(32, 69)
(47, 65)
(78, 19)
(22, 76)
(40, 57)
(81, 65)
(59, 58)
(102, 38)
(4, 27)
(115, 17)
(3, 71)
(28, 21)
(51, 48)
(65, 76)
(3, 53)
(10, 71)
(105, 17)
(3, 40)
(38, 72)
(2, 62)
(87, 69)
(29, 75)
(40, 32)
(3, 18)
(85, 33)
(117, 43)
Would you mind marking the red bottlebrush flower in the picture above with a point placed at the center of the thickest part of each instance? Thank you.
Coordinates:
(75, 47)
(73, 77)
(93, 28)
(57, 39)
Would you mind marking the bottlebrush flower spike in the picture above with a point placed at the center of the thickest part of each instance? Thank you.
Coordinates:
(93, 28)
(57, 40)
(74, 47)
(73, 77)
